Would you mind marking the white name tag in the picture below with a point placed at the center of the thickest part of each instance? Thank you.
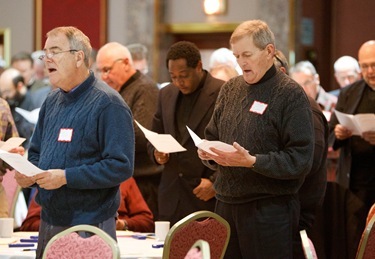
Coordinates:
(258, 107)
(65, 135)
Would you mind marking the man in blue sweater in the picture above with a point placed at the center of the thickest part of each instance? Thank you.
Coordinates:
(84, 140)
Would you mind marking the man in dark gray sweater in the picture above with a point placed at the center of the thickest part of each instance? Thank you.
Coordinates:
(268, 118)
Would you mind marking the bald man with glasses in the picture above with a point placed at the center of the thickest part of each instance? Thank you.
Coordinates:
(356, 165)
(116, 67)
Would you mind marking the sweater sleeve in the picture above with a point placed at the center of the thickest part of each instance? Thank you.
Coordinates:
(134, 209)
(32, 220)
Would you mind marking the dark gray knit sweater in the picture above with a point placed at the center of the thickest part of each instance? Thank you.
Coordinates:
(281, 138)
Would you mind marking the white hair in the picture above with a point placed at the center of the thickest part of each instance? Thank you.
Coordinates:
(346, 63)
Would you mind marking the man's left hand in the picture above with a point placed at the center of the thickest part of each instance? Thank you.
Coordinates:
(51, 179)
(204, 190)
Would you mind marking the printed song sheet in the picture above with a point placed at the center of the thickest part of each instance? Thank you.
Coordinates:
(11, 143)
(205, 145)
(358, 123)
(162, 142)
(18, 162)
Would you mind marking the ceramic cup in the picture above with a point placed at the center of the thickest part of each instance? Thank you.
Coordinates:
(161, 229)
(6, 227)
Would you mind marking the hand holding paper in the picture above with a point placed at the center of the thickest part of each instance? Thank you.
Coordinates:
(205, 145)
(357, 123)
(11, 143)
(18, 162)
(162, 142)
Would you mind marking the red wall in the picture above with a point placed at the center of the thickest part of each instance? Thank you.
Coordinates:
(86, 15)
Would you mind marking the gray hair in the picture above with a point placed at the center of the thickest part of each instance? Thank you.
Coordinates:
(258, 30)
(303, 66)
(77, 40)
(345, 63)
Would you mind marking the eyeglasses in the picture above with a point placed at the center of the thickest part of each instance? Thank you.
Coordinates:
(365, 67)
(105, 70)
(52, 54)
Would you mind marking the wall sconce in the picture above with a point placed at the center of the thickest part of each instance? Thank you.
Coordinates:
(214, 6)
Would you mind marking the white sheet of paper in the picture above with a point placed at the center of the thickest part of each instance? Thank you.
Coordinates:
(357, 123)
(347, 120)
(11, 143)
(205, 145)
(30, 116)
(162, 142)
(20, 163)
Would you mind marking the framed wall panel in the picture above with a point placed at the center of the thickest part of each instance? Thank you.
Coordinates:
(5, 46)
(90, 16)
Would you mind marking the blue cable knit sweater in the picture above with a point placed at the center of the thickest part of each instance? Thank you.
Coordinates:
(98, 158)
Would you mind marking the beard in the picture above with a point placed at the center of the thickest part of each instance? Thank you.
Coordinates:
(16, 100)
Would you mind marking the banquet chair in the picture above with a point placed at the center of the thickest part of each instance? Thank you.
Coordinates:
(308, 246)
(205, 225)
(370, 213)
(12, 191)
(366, 248)
(69, 244)
(200, 250)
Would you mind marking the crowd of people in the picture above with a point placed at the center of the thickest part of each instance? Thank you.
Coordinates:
(100, 169)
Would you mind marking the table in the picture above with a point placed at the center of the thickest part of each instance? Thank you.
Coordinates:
(129, 247)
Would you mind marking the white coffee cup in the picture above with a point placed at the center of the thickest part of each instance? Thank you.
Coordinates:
(6, 227)
(161, 229)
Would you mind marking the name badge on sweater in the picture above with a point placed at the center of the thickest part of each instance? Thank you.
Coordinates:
(258, 107)
(65, 135)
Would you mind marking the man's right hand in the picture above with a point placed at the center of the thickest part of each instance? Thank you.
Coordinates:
(341, 132)
(23, 180)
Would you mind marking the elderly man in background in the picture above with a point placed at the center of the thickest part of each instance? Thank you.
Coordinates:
(14, 90)
(304, 73)
(356, 165)
(24, 63)
(347, 71)
(115, 66)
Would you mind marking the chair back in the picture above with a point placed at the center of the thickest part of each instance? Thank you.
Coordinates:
(308, 246)
(204, 225)
(200, 250)
(69, 244)
(366, 248)
(12, 190)
(370, 214)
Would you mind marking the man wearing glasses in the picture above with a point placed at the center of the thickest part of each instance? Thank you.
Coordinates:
(356, 165)
(115, 67)
(84, 142)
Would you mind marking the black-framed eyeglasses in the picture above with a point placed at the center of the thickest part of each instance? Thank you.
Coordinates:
(106, 70)
(52, 54)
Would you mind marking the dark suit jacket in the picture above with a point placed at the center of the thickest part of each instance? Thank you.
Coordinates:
(184, 170)
(348, 102)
